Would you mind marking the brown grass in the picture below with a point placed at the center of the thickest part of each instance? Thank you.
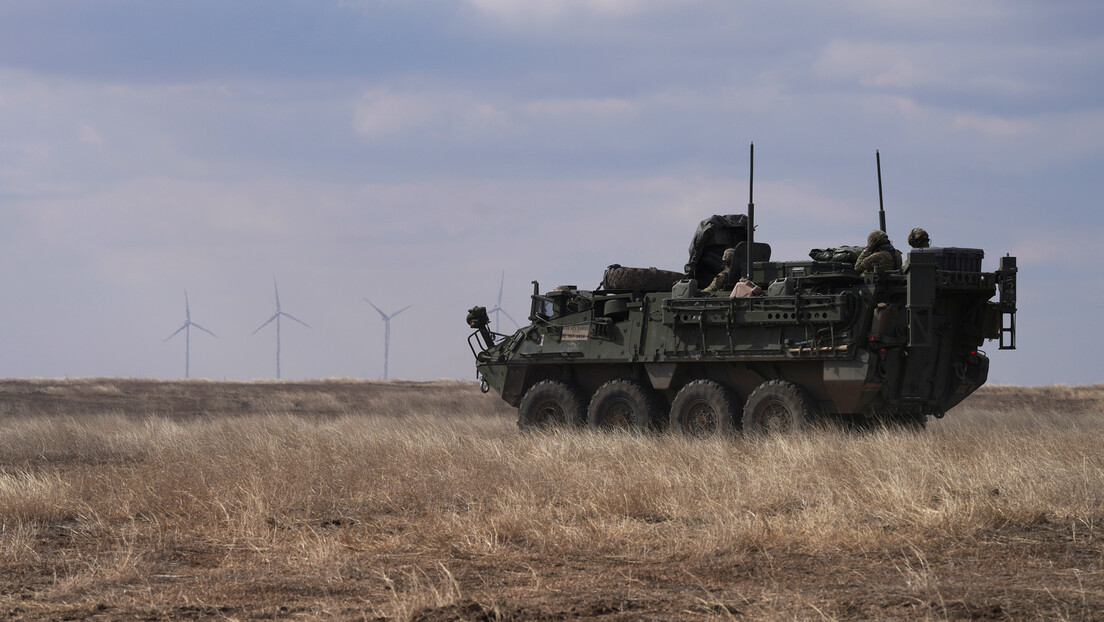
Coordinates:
(415, 501)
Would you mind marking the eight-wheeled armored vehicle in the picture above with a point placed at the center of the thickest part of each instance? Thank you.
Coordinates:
(648, 349)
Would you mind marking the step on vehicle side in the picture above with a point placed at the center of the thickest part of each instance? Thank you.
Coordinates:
(823, 342)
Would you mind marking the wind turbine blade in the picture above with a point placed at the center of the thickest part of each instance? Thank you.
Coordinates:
(288, 315)
(501, 283)
(205, 330)
(400, 310)
(508, 316)
(277, 294)
(177, 332)
(382, 314)
(265, 324)
(187, 309)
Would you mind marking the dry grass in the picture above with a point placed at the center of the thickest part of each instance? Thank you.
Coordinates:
(422, 502)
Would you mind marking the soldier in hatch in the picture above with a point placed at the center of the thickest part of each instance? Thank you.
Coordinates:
(724, 282)
(918, 238)
(878, 252)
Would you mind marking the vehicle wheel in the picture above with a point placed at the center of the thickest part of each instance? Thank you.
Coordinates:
(704, 408)
(777, 407)
(551, 404)
(623, 405)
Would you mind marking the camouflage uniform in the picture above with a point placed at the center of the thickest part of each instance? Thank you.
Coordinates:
(918, 238)
(878, 252)
(723, 281)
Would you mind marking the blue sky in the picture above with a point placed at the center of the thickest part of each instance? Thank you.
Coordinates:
(410, 151)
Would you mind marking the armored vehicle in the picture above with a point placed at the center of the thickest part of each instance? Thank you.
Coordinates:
(649, 349)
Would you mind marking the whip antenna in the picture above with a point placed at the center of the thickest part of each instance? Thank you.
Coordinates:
(881, 205)
(751, 211)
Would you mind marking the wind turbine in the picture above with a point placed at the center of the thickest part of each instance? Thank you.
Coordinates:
(276, 317)
(498, 307)
(187, 328)
(386, 332)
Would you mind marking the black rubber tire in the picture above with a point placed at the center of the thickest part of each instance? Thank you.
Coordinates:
(642, 279)
(551, 404)
(778, 407)
(705, 408)
(623, 405)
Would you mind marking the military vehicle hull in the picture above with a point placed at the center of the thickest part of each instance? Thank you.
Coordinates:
(824, 342)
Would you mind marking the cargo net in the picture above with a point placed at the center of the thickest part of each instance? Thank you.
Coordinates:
(840, 254)
(639, 279)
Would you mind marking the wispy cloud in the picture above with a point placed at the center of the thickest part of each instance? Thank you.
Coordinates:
(385, 112)
(541, 10)
(995, 126)
(1064, 248)
(956, 65)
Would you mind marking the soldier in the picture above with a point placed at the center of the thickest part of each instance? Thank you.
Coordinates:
(878, 252)
(723, 281)
(918, 238)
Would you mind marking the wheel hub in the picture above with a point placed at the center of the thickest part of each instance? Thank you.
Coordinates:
(774, 417)
(619, 414)
(701, 418)
(550, 412)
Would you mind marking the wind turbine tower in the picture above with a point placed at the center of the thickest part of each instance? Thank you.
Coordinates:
(187, 328)
(498, 307)
(276, 317)
(386, 332)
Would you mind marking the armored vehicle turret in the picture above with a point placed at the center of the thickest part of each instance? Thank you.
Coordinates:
(817, 340)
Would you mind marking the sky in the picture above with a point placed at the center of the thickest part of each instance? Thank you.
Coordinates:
(423, 152)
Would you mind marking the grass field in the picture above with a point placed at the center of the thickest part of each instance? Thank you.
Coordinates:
(129, 499)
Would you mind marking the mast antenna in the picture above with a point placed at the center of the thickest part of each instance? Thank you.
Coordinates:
(881, 205)
(751, 212)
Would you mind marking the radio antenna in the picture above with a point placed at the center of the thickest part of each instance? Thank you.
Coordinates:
(751, 211)
(881, 205)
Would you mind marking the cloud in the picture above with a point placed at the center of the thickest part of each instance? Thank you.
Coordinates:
(932, 13)
(1062, 249)
(876, 64)
(384, 112)
(995, 126)
(1024, 142)
(973, 73)
(536, 10)
(981, 67)
(579, 108)
(88, 134)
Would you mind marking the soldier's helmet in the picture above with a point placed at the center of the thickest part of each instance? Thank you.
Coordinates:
(728, 254)
(918, 238)
(876, 237)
